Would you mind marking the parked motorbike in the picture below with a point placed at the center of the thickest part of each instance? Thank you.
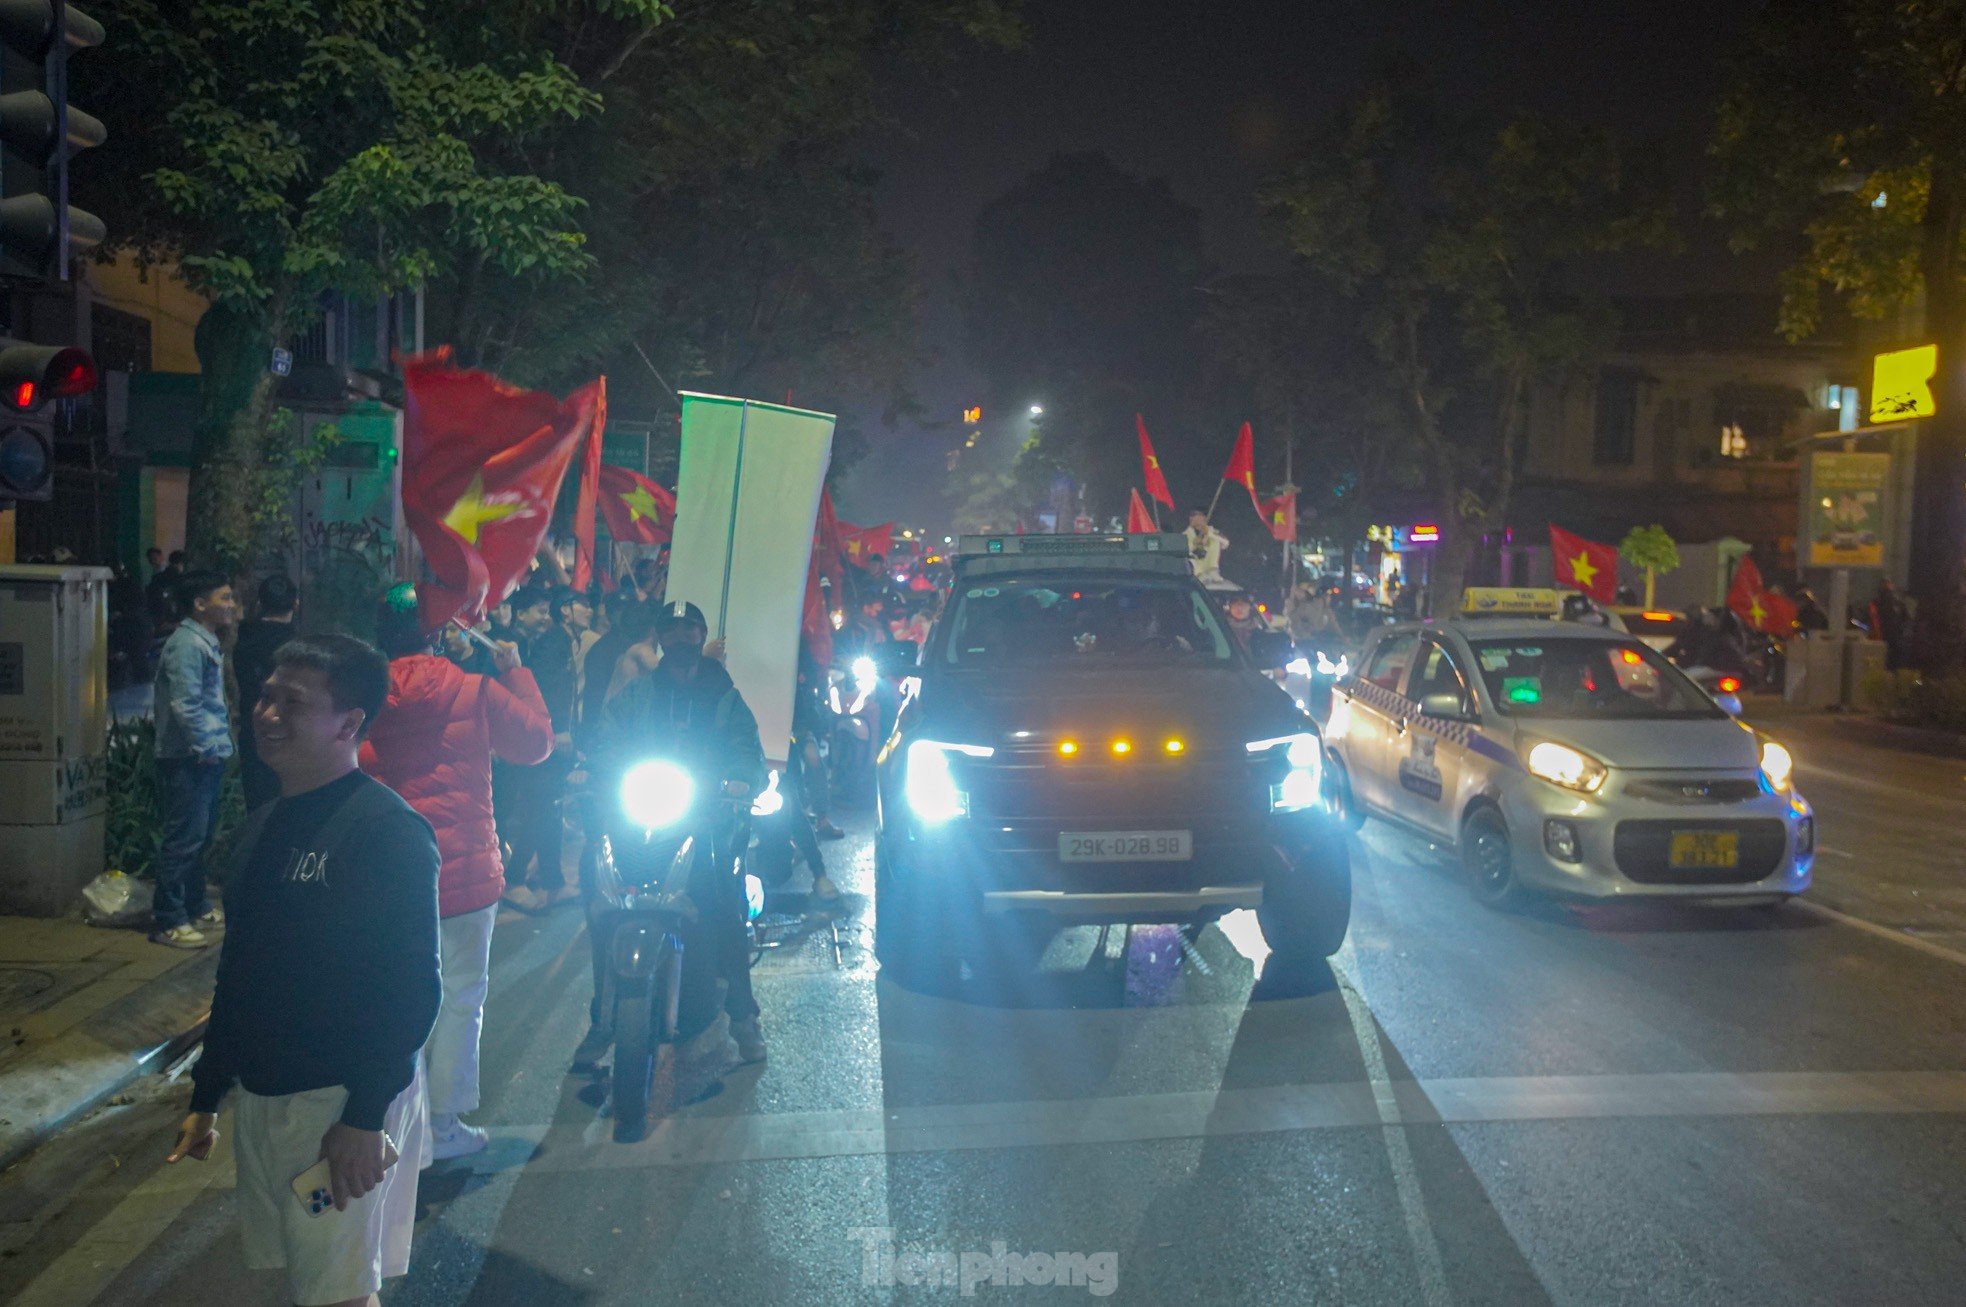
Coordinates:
(642, 910)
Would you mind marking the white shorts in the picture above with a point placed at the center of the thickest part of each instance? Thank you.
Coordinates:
(335, 1256)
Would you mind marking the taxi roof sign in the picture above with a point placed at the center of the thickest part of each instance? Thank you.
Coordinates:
(1510, 601)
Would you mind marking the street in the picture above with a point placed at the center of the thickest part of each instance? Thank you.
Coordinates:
(1577, 1106)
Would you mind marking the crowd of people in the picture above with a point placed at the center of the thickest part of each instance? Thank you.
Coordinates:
(397, 793)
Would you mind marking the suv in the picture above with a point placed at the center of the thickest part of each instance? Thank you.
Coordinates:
(1085, 742)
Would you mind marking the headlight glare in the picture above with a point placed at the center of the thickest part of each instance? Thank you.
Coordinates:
(1777, 767)
(1559, 764)
(1302, 787)
(930, 785)
(657, 794)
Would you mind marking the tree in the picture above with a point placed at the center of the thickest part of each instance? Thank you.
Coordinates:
(1845, 136)
(281, 153)
(1084, 293)
(1652, 551)
(1451, 249)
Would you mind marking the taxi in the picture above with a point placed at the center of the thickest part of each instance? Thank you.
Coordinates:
(1084, 742)
(1566, 759)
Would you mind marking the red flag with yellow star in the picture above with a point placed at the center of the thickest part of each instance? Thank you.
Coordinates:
(636, 509)
(1242, 465)
(862, 543)
(1138, 520)
(1759, 607)
(1584, 565)
(1280, 515)
(482, 466)
(1150, 473)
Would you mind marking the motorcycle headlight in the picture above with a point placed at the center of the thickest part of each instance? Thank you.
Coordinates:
(1559, 764)
(929, 783)
(657, 794)
(1303, 785)
(1777, 767)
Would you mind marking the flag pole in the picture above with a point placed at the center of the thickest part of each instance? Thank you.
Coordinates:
(730, 540)
(1218, 499)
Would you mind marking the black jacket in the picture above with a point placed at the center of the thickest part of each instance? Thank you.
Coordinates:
(702, 723)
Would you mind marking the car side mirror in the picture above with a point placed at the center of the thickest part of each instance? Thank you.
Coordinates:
(1449, 707)
(1270, 650)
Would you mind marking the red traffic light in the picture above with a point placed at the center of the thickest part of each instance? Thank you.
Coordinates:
(33, 374)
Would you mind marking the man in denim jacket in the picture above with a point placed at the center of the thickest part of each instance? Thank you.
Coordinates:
(194, 738)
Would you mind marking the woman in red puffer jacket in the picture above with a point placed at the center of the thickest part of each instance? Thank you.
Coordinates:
(433, 743)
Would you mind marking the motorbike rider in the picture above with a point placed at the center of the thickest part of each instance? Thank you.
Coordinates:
(688, 710)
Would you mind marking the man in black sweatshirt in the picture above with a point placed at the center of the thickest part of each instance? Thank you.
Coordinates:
(327, 989)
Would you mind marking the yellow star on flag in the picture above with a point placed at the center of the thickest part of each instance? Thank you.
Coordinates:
(1581, 570)
(471, 511)
(1153, 461)
(641, 504)
(1757, 615)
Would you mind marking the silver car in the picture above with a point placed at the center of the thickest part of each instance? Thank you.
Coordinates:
(1566, 759)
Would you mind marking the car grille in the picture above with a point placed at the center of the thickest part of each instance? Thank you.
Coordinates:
(1643, 850)
(1696, 790)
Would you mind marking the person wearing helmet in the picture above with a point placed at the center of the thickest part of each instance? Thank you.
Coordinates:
(687, 709)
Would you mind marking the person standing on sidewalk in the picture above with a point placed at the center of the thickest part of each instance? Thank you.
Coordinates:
(194, 739)
(536, 835)
(327, 989)
(252, 663)
(433, 743)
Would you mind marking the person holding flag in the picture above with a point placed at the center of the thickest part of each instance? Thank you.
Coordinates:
(1205, 546)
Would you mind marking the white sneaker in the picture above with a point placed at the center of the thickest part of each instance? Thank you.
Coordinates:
(212, 920)
(450, 1137)
(180, 937)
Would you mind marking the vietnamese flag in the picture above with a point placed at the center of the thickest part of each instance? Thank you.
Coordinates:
(1760, 608)
(861, 544)
(1138, 520)
(637, 510)
(482, 467)
(1150, 473)
(1584, 565)
(1280, 515)
(1242, 465)
(826, 541)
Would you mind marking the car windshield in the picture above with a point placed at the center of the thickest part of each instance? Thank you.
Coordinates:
(1586, 678)
(1090, 621)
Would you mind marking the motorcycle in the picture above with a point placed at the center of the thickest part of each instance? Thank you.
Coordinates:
(642, 910)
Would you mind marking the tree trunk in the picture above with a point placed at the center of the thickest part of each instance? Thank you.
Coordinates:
(236, 401)
(1938, 551)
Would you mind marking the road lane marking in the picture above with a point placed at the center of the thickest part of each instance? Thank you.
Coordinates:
(130, 1228)
(688, 1140)
(1427, 1265)
(1925, 946)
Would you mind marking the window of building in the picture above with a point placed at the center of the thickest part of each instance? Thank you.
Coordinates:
(1614, 440)
(1752, 421)
(119, 341)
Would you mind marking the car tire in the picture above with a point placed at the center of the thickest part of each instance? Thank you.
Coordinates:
(907, 941)
(1338, 794)
(1307, 907)
(1488, 857)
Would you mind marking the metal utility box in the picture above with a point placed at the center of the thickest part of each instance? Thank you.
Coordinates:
(54, 724)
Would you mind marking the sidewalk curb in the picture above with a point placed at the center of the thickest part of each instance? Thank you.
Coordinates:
(63, 1080)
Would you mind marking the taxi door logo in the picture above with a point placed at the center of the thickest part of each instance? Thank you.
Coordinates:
(1418, 770)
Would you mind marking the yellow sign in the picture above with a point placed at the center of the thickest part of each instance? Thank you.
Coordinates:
(1901, 384)
(973, 414)
(1514, 601)
(1848, 515)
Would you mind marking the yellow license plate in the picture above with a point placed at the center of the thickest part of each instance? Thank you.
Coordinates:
(1706, 848)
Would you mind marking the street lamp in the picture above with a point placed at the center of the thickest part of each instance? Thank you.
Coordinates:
(1037, 410)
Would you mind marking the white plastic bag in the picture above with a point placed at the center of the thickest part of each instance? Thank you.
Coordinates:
(113, 899)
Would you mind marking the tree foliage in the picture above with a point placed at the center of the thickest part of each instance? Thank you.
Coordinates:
(1843, 138)
(1451, 248)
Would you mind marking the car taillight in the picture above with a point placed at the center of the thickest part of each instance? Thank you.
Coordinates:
(1728, 685)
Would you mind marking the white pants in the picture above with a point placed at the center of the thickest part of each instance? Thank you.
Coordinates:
(334, 1256)
(452, 1053)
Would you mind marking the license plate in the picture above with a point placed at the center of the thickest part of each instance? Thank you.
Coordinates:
(1706, 848)
(1126, 846)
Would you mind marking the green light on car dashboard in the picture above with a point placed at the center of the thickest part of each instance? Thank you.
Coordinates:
(1525, 694)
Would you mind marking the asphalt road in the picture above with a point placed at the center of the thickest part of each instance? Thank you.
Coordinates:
(1674, 1106)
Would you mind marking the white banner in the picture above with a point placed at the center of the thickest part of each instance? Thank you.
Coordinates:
(747, 494)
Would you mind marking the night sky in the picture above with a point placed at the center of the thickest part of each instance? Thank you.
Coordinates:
(1213, 97)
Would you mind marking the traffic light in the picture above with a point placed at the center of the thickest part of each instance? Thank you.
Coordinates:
(30, 376)
(39, 133)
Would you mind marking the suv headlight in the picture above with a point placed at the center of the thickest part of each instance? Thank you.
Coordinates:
(1777, 767)
(1559, 764)
(1303, 785)
(930, 785)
